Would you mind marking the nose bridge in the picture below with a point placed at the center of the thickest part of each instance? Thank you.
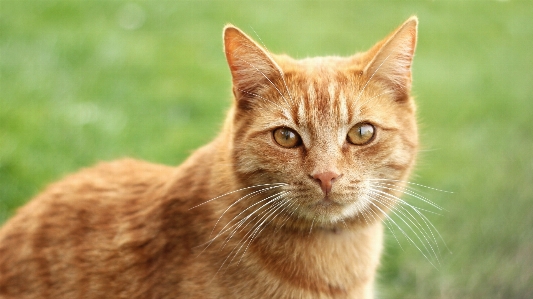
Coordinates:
(323, 126)
(324, 169)
(323, 156)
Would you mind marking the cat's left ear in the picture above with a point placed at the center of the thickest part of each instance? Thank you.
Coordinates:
(251, 66)
(393, 57)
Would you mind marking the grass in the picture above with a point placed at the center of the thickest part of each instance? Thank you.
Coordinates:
(84, 81)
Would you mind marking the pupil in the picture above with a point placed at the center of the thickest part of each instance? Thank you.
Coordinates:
(287, 134)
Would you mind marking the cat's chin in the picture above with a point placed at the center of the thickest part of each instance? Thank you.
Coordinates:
(327, 211)
(327, 204)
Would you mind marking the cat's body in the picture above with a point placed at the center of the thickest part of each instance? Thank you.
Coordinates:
(282, 204)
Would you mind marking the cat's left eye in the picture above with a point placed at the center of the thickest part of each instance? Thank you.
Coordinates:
(361, 134)
(287, 137)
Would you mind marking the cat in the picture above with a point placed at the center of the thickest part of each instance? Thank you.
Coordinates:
(286, 202)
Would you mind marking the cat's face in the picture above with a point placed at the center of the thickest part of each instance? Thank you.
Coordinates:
(338, 134)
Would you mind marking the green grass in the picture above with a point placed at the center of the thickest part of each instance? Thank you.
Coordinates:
(84, 81)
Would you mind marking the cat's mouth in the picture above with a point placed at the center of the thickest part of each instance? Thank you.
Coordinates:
(327, 207)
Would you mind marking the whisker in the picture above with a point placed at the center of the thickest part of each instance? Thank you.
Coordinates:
(403, 232)
(411, 183)
(403, 202)
(415, 223)
(393, 233)
(430, 227)
(413, 194)
(417, 210)
(247, 236)
(224, 229)
(372, 213)
(262, 214)
(344, 223)
(277, 197)
(238, 190)
(262, 226)
(238, 200)
(228, 256)
(311, 229)
(364, 210)
(288, 216)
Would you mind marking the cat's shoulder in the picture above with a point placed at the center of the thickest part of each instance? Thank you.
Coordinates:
(129, 169)
(107, 187)
(127, 164)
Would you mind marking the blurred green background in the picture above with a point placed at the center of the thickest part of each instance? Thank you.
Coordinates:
(85, 81)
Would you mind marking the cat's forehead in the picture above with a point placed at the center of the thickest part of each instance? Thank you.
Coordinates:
(319, 63)
(324, 90)
(321, 76)
(321, 107)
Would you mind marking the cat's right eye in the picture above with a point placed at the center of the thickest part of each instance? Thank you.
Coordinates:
(361, 134)
(286, 137)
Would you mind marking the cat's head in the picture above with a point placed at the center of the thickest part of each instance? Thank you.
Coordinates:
(334, 136)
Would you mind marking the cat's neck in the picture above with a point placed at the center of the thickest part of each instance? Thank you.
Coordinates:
(341, 261)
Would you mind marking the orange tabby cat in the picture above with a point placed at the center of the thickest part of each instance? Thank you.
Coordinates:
(285, 203)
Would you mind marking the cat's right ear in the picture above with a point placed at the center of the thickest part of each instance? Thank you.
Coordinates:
(250, 65)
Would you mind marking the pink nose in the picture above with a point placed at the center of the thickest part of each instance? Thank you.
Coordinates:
(325, 180)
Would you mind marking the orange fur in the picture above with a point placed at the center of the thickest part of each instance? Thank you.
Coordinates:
(243, 217)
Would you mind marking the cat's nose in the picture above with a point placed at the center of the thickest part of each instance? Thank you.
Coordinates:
(325, 179)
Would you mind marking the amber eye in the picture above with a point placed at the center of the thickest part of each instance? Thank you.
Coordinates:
(361, 134)
(286, 137)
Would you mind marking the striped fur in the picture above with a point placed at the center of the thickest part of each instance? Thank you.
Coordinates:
(243, 217)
